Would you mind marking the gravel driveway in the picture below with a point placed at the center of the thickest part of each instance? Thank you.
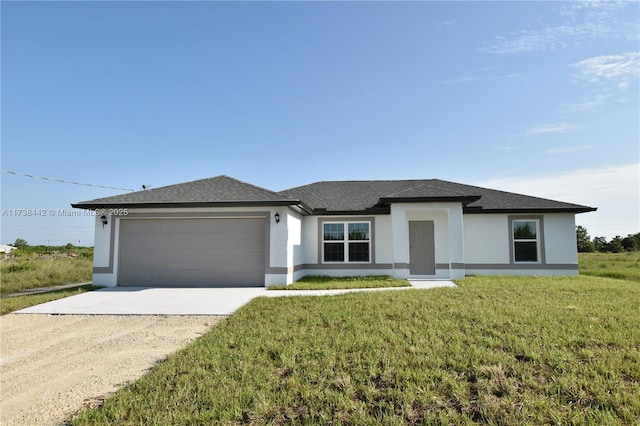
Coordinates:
(52, 366)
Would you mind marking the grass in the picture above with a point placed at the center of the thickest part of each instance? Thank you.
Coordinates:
(331, 283)
(496, 350)
(22, 274)
(20, 302)
(624, 266)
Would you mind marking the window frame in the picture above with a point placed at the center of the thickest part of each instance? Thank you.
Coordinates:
(346, 241)
(539, 240)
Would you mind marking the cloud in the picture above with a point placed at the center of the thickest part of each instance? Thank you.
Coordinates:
(618, 68)
(569, 149)
(463, 79)
(583, 21)
(602, 7)
(483, 74)
(552, 128)
(615, 190)
(548, 39)
(588, 104)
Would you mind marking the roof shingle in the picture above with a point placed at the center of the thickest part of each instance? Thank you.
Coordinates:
(220, 190)
(334, 197)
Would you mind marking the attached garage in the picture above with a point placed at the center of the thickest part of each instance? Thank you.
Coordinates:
(194, 252)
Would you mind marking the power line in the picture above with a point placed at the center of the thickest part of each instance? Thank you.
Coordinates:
(65, 181)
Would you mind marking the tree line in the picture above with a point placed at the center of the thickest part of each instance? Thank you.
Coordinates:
(617, 244)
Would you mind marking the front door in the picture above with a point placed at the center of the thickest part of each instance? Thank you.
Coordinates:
(422, 253)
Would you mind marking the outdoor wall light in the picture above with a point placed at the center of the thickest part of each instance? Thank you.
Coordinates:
(104, 220)
(277, 217)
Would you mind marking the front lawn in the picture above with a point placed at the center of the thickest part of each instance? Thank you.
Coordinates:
(495, 350)
(331, 283)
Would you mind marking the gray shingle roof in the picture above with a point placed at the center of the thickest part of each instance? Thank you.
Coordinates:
(361, 196)
(215, 191)
(349, 196)
(334, 197)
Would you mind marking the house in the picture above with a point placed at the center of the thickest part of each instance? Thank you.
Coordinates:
(224, 232)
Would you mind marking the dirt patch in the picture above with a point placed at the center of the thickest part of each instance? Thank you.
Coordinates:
(53, 365)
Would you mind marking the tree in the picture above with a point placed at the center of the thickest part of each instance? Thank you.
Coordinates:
(615, 245)
(600, 244)
(631, 242)
(584, 241)
(20, 243)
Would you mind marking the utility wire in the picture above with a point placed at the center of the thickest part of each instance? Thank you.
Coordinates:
(65, 181)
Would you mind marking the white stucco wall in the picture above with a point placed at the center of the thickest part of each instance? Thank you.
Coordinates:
(384, 240)
(560, 238)
(102, 260)
(310, 238)
(286, 247)
(279, 239)
(487, 245)
(486, 238)
(381, 243)
(101, 243)
(294, 244)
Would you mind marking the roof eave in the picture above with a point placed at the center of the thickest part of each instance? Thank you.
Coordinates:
(92, 206)
(364, 212)
(576, 210)
(465, 199)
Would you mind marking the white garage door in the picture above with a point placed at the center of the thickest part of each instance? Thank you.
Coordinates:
(192, 252)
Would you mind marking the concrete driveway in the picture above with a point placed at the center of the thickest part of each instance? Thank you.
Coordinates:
(183, 301)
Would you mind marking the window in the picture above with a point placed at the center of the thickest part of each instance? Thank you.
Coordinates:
(354, 245)
(525, 241)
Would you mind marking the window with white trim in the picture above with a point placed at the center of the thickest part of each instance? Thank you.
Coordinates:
(354, 245)
(526, 243)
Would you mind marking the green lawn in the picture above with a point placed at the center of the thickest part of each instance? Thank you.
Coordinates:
(624, 266)
(329, 283)
(497, 350)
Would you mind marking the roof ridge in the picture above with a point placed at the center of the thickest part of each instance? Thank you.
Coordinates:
(217, 177)
(427, 184)
(255, 186)
(180, 184)
(355, 181)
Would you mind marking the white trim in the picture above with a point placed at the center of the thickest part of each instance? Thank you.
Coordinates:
(345, 241)
(523, 240)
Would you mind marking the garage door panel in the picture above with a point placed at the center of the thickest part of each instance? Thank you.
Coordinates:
(168, 259)
(143, 226)
(208, 243)
(192, 252)
(142, 241)
(180, 242)
(140, 258)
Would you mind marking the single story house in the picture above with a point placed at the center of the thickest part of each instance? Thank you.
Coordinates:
(224, 232)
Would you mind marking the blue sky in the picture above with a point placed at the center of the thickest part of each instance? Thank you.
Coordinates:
(533, 97)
